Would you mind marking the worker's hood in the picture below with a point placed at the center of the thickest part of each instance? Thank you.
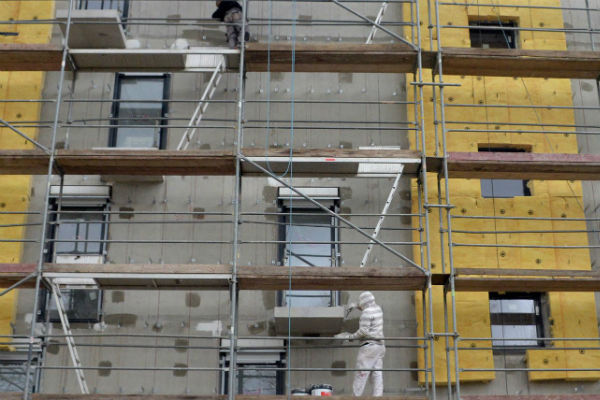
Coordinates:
(365, 300)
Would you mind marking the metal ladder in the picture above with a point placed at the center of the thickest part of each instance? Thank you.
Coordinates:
(211, 87)
(377, 21)
(386, 207)
(58, 299)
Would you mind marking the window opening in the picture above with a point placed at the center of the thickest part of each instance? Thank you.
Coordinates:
(516, 320)
(320, 233)
(74, 238)
(78, 229)
(483, 34)
(503, 188)
(140, 124)
(260, 370)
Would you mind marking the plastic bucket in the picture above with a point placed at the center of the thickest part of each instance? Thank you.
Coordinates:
(321, 390)
(299, 392)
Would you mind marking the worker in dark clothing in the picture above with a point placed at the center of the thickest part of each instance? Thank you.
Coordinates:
(230, 12)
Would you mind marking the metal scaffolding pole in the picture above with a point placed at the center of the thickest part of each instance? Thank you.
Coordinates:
(440, 202)
(234, 290)
(423, 206)
(45, 214)
(375, 24)
(425, 199)
(24, 136)
(335, 215)
(451, 280)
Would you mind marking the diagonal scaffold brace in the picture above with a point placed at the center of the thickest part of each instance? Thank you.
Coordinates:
(385, 210)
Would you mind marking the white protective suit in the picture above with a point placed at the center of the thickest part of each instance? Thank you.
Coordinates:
(372, 347)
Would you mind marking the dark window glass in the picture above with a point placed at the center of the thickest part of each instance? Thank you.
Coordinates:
(121, 5)
(138, 123)
(81, 305)
(516, 320)
(503, 188)
(490, 35)
(260, 382)
(257, 379)
(76, 231)
(318, 232)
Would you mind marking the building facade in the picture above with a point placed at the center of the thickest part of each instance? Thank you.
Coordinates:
(177, 341)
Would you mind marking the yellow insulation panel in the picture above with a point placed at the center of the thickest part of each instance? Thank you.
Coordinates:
(26, 10)
(468, 305)
(571, 314)
(15, 194)
(546, 359)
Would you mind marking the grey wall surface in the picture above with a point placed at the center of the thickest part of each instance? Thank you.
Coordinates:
(207, 313)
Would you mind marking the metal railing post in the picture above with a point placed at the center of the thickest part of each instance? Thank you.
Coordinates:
(42, 251)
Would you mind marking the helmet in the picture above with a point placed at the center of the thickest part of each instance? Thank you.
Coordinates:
(365, 299)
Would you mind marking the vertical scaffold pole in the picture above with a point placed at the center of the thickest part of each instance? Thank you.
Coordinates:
(234, 294)
(423, 178)
(451, 286)
(40, 263)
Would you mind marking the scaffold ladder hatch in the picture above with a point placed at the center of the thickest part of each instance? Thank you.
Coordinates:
(386, 207)
(377, 21)
(58, 299)
(207, 95)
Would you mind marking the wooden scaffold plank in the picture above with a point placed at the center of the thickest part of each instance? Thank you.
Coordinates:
(308, 162)
(217, 277)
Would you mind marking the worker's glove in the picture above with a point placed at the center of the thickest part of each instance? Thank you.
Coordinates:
(348, 309)
(343, 335)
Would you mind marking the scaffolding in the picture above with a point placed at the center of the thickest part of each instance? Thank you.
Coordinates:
(418, 51)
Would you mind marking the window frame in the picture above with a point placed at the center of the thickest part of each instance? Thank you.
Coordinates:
(279, 364)
(475, 23)
(83, 5)
(115, 108)
(44, 311)
(334, 237)
(103, 233)
(539, 318)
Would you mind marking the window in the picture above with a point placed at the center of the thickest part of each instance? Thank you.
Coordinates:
(310, 237)
(121, 5)
(13, 372)
(516, 316)
(484, 35)
(504, 188)
(259, 368)
(258, 379)
(139, 117)
(76, 235)
(78, 228)
(81, 305)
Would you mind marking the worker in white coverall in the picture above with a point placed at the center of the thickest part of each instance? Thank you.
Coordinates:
(372, 348)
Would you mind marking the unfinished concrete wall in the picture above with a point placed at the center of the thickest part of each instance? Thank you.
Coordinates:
(321, 125)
